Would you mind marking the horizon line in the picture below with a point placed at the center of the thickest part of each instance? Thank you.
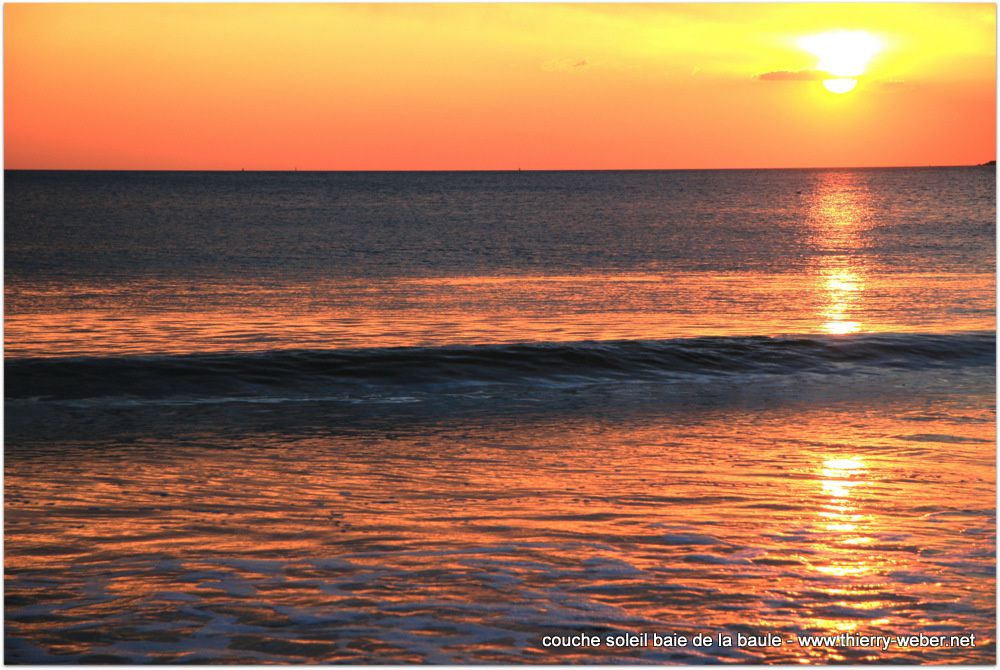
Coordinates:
(988, 163)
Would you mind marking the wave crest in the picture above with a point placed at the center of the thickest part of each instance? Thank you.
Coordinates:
(305, 373)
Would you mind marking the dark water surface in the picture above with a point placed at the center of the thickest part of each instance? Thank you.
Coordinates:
(434, 417)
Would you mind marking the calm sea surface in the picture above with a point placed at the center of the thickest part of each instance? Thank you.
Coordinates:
(436, 417)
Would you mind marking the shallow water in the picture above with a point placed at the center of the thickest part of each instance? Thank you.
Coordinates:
(435, 418)
(313, 534)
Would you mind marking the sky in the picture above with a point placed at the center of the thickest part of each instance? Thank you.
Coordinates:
(497, 86)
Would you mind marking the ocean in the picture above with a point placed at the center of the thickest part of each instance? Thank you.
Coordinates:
(465, 417)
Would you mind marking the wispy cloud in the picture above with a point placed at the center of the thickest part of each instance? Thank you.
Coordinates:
(799, 75)
(565, 64)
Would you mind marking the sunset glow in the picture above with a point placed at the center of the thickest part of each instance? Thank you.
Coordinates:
(266, 86)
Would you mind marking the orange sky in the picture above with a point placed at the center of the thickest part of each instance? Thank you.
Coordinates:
(392, 87)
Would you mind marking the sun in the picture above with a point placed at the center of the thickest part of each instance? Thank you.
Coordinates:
(840, 85)
(843, 55)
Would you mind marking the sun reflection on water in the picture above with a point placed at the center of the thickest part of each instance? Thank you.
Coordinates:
(847, 528)
(839, 211)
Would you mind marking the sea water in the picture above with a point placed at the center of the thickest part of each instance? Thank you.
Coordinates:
(437, 417)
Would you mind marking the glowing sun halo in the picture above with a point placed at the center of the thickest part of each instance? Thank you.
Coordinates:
(843, 55)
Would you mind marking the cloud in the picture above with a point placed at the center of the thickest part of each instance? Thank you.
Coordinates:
(800, 75)
(820, 75)
(565, 64)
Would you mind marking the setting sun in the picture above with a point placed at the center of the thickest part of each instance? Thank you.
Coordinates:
(840, 85)
(843, 54)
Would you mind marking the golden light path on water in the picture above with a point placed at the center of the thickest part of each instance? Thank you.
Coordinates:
(839, 212)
